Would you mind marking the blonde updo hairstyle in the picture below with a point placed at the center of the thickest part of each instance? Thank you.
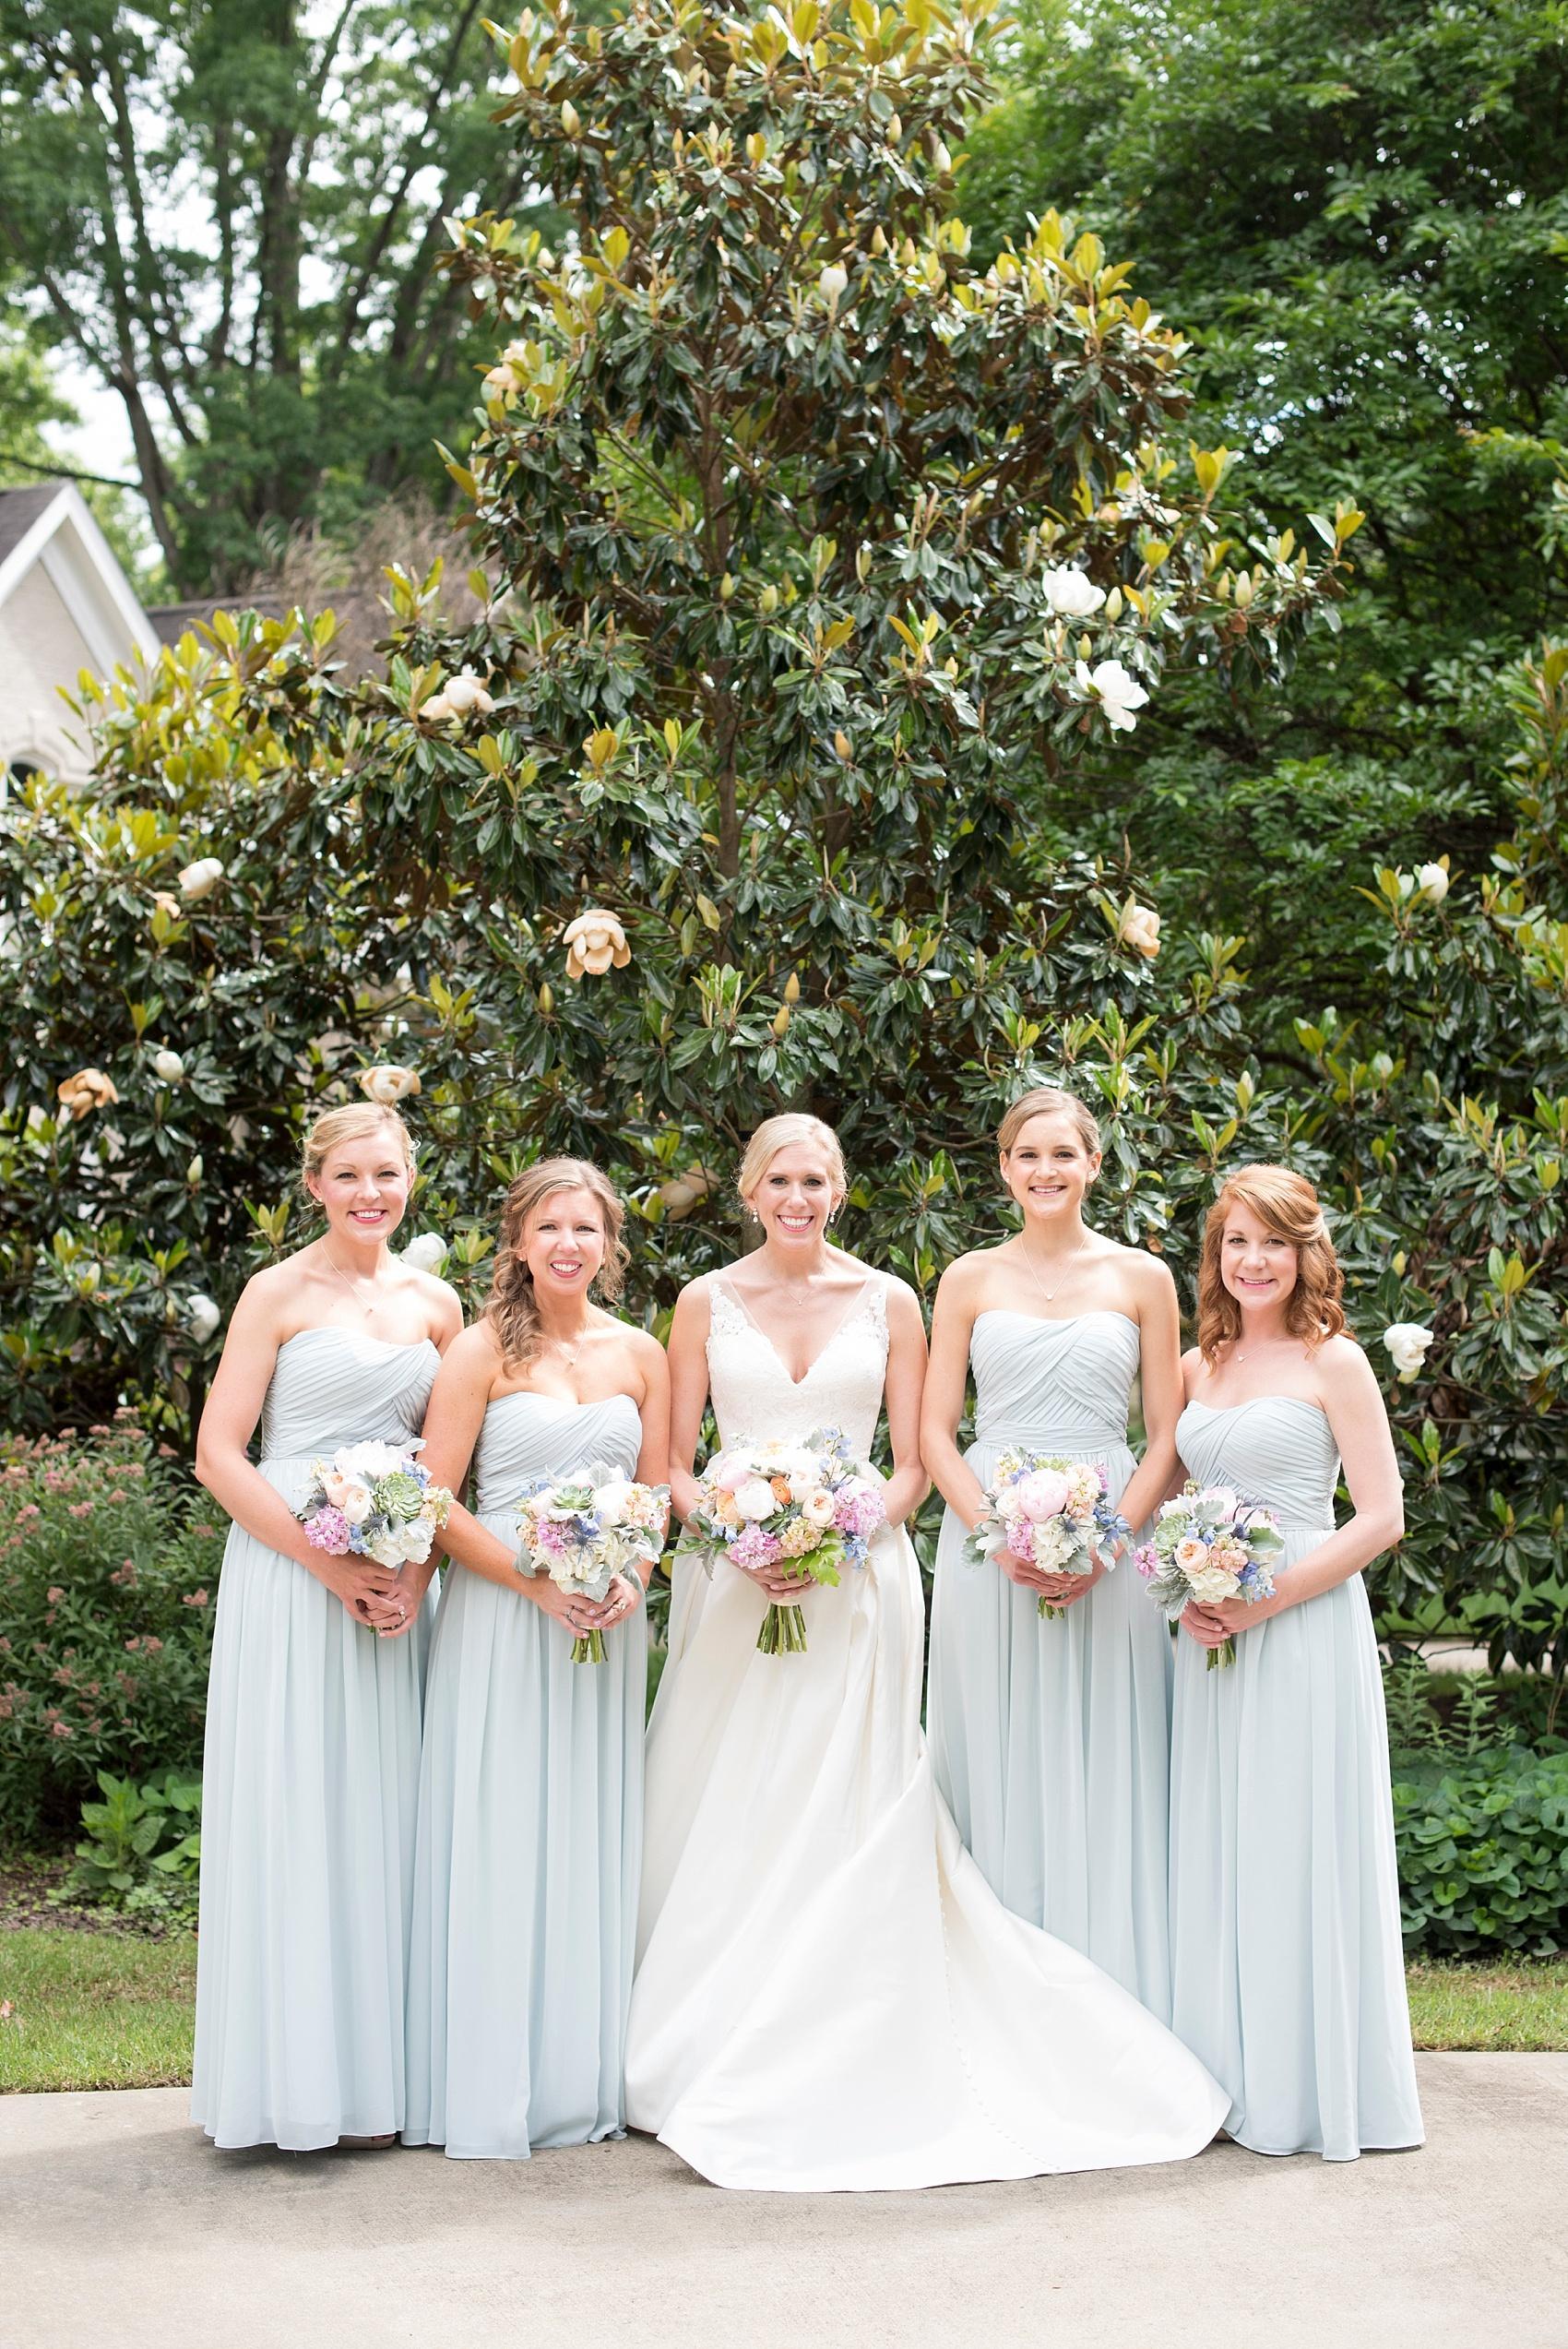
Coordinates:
(512, 1307)
(783, 1132)
(1287, 1203)
(1049, 1101)
(356, 1122)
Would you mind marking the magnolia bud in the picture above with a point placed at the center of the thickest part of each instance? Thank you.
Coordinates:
(862, 565)
(879, 239)
(843, 745)
(792, 989)
(726, 587)
(571, 121)
(767, 603)
(895, 130)
(781, 1021)
(195, 1170)
(546, 1000)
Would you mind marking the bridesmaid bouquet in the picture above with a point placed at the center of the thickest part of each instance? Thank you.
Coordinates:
(584, 1529)
(1209, 1545)
(806, 1508)
(375, 1501)
(1051, 1513)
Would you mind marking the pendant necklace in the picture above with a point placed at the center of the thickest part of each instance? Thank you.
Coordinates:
(1050, 1295)
(351, 1285)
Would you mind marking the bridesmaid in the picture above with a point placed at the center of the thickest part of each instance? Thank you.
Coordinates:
(311, 1775)
(1051, 1738)
(1287, 1968)
(530, 1792)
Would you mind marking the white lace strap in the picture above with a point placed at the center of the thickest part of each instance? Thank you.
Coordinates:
(725, 1315)
(876, 1303)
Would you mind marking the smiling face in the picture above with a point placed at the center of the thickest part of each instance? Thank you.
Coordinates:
(364, 1186)
(1258, 1267)
(1048, 1169)
(562, 1244)
(795, 1199)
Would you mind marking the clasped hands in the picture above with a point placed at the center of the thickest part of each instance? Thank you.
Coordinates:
(1060, 1589)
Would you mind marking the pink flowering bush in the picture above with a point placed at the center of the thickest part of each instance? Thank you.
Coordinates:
(109, 1570)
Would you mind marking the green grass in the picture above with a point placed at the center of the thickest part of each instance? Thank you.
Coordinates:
(1517, 2006)
(112, 2010)
(95, 2009)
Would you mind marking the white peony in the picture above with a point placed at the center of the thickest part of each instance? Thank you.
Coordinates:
(817, 1508)
(427, 1253)
(368, 1460)
(1407, 1343)
(1116, 691)
(610, 1502)
(202, 1317)
(1071, 594)
(1432, 882)
(756, 1499)
(386, 1548)
(200, 880)
(416, 1538)
(169, 1066)
(1211, 1585)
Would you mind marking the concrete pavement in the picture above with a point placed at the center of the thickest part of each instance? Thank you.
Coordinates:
(122, 2229)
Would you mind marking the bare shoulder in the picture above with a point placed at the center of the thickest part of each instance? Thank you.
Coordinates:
(1148, 1275)
(474, 1352)
(693, 1306)
(264, 1305)
(1191, 1371)
(441, 1301)
(902, 1305)
(965, 1278)
(1340, 1367)
(641, 1344)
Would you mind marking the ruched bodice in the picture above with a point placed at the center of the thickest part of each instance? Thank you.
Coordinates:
(753, 1395)
(333, 1386)
(1043, 1383)
(1278, 1450)
(529, 1435)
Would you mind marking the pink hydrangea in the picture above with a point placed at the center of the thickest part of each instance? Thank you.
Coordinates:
(753, 1547)
(552, 1537)
(856, 1508)
(328, 1529)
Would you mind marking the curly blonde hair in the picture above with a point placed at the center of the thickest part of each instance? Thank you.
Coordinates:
(512, 1307)
(1287, 1203)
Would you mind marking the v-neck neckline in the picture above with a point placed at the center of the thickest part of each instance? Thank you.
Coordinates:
(832, 1339)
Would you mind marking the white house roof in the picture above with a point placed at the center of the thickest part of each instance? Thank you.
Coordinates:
(51, 527)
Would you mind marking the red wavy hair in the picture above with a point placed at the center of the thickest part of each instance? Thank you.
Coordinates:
(1287, 1203)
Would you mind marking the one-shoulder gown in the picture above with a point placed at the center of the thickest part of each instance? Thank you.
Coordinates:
(1051, 1737)
(1286, 1963)
(530, 1830)
(829, 1993)
(309, 1788)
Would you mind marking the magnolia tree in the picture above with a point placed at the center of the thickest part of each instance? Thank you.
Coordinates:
(810, 558)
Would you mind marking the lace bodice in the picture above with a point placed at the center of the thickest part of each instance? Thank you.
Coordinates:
(754, 1395)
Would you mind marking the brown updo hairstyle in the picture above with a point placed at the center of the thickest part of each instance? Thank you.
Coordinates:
(354, 1123)
(512, 1307)
(1288, 1204)
(1048, 1100)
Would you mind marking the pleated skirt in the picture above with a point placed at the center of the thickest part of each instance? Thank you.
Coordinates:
(1286, 1960)
(526, 1876)
(309, 1790)
(1051, 1744)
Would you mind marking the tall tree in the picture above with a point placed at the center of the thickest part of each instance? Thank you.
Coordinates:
(228, 212)
(1357, 211)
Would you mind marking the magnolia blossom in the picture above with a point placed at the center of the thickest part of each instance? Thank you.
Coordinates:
(90, 1089)
(463, 696)
(169, 1066)
(200, 880)
(1432, 882)
(594, 941)
(1407, 1343)
(387, 1083)
(683, 1192)
(1070, 592)
(1116, 691)
(202, 1317)
(1139, 928)
(500, 379)
(427, 1253)
(832, 283)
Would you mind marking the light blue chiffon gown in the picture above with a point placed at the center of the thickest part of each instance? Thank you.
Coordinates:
(529, 1842)
(309, 1787)
(1288, 1967)
(1050, 1739)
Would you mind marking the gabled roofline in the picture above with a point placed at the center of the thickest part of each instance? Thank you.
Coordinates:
(83, 567)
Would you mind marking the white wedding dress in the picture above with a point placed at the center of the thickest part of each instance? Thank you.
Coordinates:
(828, 1993)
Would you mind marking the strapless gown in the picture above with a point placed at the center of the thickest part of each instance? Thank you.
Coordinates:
(1050, 1740)
(530, 1832)
(828, 1993)
(1288, 1966)
(309, 1787)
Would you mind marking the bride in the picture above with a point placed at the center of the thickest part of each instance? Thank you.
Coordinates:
(829, 1995)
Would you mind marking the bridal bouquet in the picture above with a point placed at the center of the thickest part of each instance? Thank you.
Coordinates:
(1209, 1545)
(373, 1500)
(584, 1529)
(805, 1507)
(1051, 1513)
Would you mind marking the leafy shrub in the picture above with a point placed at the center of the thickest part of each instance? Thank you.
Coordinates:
(1483, 1850)
(141, 1847)
(108, 1578)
